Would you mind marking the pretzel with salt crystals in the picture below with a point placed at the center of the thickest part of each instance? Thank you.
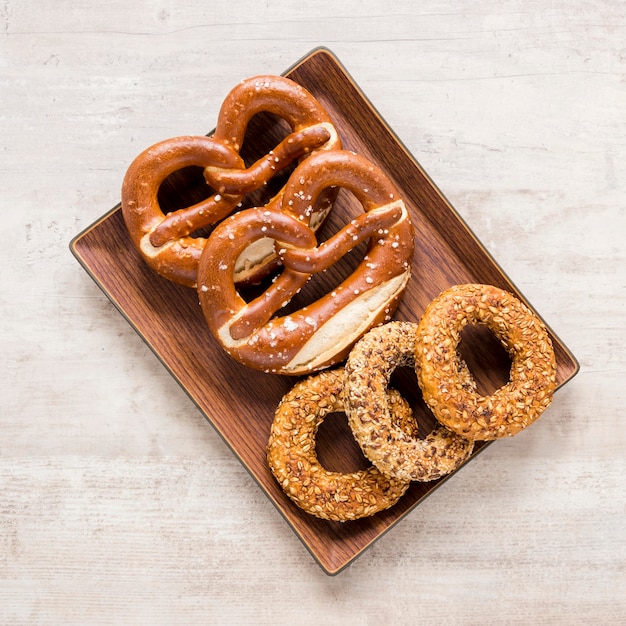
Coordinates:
(322, 333)
(166, 241)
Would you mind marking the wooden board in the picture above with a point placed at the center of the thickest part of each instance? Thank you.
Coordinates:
(240, 402)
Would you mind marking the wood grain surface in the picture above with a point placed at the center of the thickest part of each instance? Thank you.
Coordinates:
(120, 504)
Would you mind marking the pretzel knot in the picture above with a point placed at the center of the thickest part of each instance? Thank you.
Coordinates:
(319, 334)
(169, 242)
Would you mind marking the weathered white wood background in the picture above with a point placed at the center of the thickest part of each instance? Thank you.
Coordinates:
(119, 504)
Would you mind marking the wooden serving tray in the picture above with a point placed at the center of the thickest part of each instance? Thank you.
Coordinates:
(240, 402)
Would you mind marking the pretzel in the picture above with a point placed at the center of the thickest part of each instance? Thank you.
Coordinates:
(293, 460)
(448, 386)
(320, 334)
(166, 241)
(368, 370)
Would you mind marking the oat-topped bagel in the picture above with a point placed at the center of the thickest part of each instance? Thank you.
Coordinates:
(446, 382)
(293, 460)
(368, 369)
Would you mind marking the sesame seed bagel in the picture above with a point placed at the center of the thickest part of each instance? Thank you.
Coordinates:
(395, 452)
(293, 460)
(448, 386)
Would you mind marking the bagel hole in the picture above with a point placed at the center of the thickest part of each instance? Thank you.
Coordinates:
(486, 358)
(337, 450)
(405, 381)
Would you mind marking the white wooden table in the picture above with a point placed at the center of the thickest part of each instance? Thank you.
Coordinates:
(120, 504)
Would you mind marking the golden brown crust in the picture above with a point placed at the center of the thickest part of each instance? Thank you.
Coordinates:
(322, 333)
(446, 382)
(167, 242)
(368, 369)
(293, 460)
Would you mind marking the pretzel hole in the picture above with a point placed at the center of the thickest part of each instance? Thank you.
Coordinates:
(251, 290)
(187, 186)
(346, 207)
(337, 450)
(324, 282)
(486, 358)
(264, 132)
(183, 188)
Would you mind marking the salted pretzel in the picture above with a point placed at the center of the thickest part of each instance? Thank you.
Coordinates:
(166, 241)
(321, 333)
(311, 128)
